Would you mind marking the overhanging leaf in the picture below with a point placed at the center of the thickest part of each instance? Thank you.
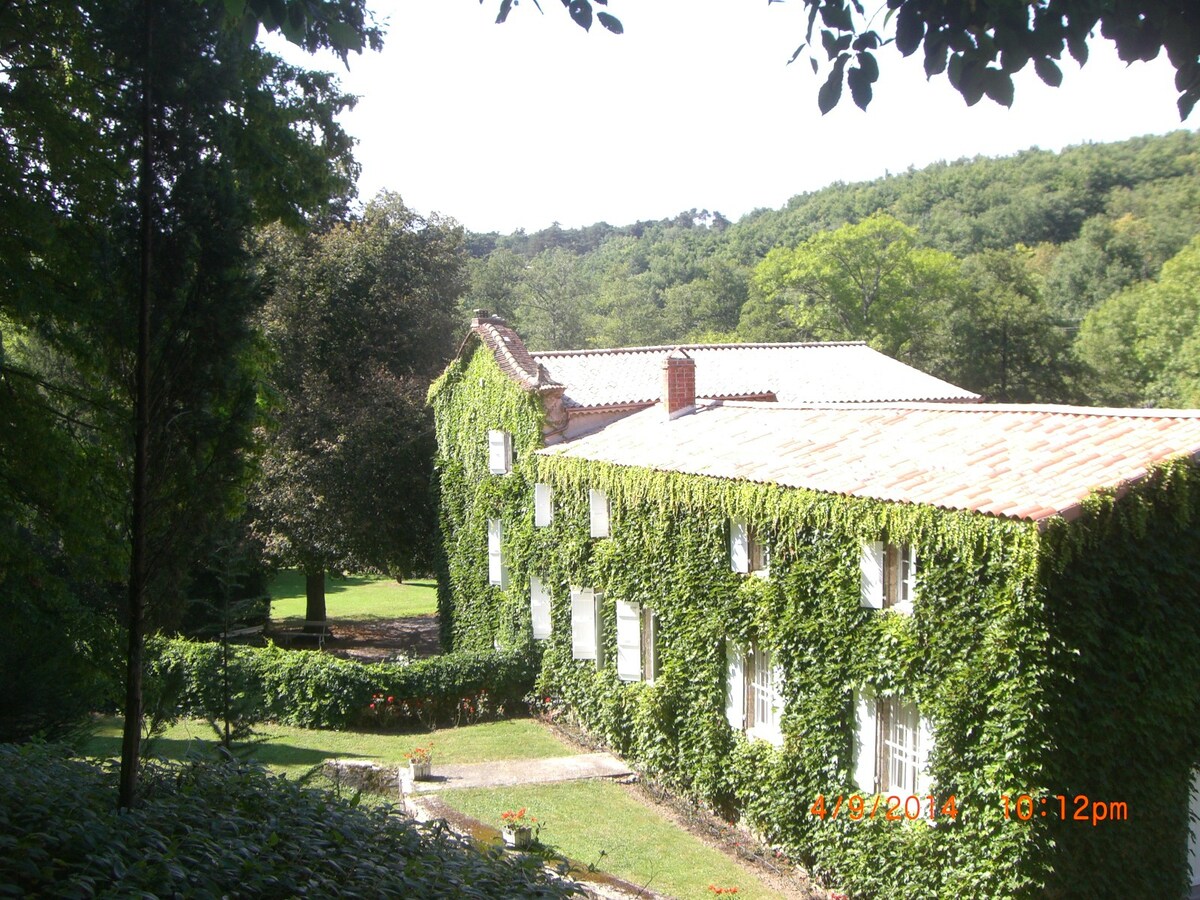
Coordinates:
(936, 53)
(869, 67)
(998, 86)
(836, 14)
(860, 88)
(611, 22)
(581, 13)
(1077, 45)
(1048, 71)
(909, 30)
(831, 90)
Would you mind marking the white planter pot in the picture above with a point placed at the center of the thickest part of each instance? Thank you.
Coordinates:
(518, 838)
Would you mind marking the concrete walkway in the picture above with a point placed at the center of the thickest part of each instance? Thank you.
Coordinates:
(518, 771)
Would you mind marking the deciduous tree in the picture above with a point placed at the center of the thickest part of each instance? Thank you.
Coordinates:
(979, 46)
(360, 319)
(869, 281)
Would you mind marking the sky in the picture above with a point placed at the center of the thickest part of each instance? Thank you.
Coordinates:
(534, 121)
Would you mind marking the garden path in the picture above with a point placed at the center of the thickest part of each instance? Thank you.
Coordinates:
(520, 771)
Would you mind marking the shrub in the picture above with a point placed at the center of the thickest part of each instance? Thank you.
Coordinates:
(314, 690)
(227, 830)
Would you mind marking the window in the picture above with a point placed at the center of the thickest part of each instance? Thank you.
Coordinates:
(497, 571)
(500, 453)
(889, 576)
(543, 507)
(649, 645)
(598, 510)
(748, 553)
(752, 700)
(585, 625)
(893, 745)
(539, 608)
(637, 637)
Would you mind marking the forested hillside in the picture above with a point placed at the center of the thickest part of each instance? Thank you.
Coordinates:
(1065, 277)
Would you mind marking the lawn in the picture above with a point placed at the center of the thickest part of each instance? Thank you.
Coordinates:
(293, 751)
(582, 818)
(354, 597)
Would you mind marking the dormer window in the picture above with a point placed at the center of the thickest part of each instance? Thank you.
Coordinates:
(500, 452)
(748, 553)
(889, 576)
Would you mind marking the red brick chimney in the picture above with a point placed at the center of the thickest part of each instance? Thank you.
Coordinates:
(679, 383)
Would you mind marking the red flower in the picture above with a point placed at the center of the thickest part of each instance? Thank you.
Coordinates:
(391, 699)
(372, 706)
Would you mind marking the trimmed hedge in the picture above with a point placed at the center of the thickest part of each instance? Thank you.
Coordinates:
(314, 690)
(205, 830)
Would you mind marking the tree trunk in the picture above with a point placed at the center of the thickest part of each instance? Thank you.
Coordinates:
(314, 593)
(138, 564)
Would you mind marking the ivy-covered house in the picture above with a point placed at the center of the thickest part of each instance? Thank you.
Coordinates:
(933, 647)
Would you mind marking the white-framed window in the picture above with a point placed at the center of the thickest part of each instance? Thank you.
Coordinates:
(500, 452)
(748, 553)
(649, 645)
(892, 744)
(753, 702)
(889, 576)
(543, 505)
(585, 625)
(637, 639)
(539, 608)
(598, 511)
(497, 571)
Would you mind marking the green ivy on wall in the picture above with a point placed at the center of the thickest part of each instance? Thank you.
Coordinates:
(470, 398)
(1015, 637)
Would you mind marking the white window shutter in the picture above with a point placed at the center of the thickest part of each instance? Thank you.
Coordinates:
(539, 608)
(598, 507)
(739, 546)
(924, 749)
(629, 641)
(499, 452)
(583, 623)
(495, 559)
(911, 583)
(774, 730)
(735, 685)
(586, 638)
(543, 510)
(871, 566)
(866, 733)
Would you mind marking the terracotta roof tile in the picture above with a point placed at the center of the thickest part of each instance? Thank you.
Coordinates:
(793, 373)
(1023, 462)
(511, 354)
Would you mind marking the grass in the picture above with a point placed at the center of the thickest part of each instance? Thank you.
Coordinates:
(354, 597)
(581, 819)
(293, 751)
